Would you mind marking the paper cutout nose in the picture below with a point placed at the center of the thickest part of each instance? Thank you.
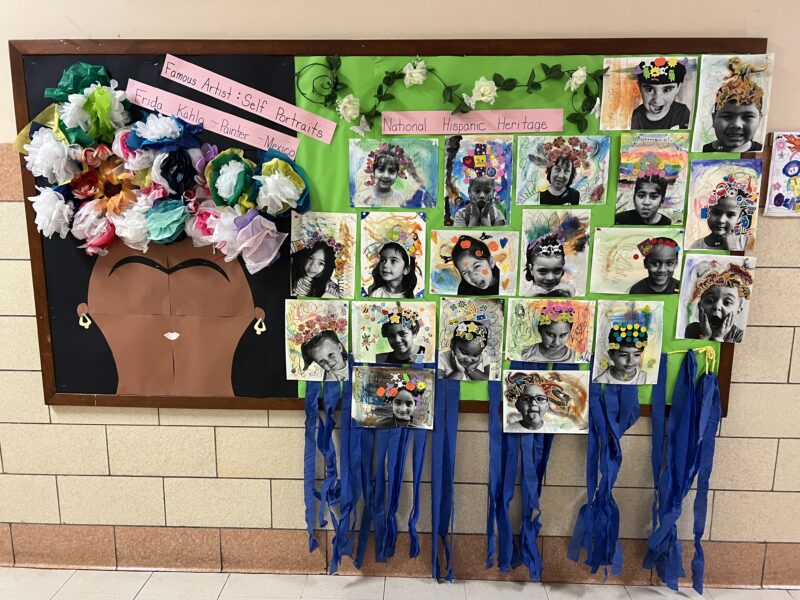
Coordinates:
(172, 335)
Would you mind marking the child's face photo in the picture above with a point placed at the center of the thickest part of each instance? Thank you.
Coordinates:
(547, 271)
(392, 254)
(394, 332)
(481, 191)
(560, 173)
(657, 98)
(720, 304)
(545, 401)
(400, 339)
(532, 405)
(392, 266)
(323, 249)
(477, 272)
(555, 335)
(724, 216)
(647, 200)
(472, 262)
(470, 332)
(559, 330)
(316, 339)
(328, 355)
(660, 265)
(403, 405)
(468, 352)
(315, 264)
(385, 174)
(625, 361)
(736, 124)
(392, 397)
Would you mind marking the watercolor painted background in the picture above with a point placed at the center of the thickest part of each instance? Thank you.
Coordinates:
(523, 319)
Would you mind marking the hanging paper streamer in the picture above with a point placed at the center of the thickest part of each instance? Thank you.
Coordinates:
(310, 492)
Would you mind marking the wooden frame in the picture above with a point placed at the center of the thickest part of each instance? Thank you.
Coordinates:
(18, 49)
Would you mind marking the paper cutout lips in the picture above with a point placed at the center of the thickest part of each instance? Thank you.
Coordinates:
(172, 335)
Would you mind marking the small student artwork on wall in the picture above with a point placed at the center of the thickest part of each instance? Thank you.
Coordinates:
(558, 331)
(715, 297)
(323, 255)
(470, 339)
(554, 252)
(783, 192)
(628, 346)
(316, 340)
(473, 262)
(558, 170)
(394, 172)
(653, 92)
(385, 397)
(545, 401)
(652, 178)
(733, 103)
(723, 204)
(392, 254)
(477, 183)
(391, 332)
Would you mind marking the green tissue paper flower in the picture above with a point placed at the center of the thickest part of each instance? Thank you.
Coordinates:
(77, 78)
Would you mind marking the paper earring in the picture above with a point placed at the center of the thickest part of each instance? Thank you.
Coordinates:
(83, 316)
(259, 327)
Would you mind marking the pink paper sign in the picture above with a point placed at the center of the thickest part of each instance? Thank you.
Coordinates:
(250, 99)
(231, 126)
(523, 120)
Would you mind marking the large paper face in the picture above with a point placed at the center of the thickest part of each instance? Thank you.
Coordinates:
(470, 338)
(316, 340)
(554, 253)
(394, 172)
(477, 184)
(652, 178)
(723, 204)
(628, 342)
(391, 332)
(558, 331)
(474, 262)
(733, 102)
(392, 254)
(545, 401)
(715, 297)
(783, 193)
(553, 170)
(393, 397)
(649, 92)
(323, 254)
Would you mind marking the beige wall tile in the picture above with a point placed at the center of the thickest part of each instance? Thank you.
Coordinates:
(104, 415)
(777, 289)
(19, 344)
(743, 464)
(787, 473)
(22, 399)
(217, 502)
(471, 504)
(756, 516)
(794, 372)
(763, 410)
(212, 417)
(28, 499)
(288, 505)
(559, 506)
(166, 451)
(17, 296)
(567, 465)
(473, 422)
(406, 504)
(642, 426)
(54, 449)
(472, 457)
(111, 500)
(764, 355)
(777, 244)
(287, 418)
(635, 506)
(14, 241)
(268, 453)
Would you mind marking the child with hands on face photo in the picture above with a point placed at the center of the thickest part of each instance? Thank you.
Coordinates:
(555, 327)
(661, 258)
(545, 267)
(481, 209)
(466, 358)
(626, 343)
(399, 328)
(326, 349)
(394, 276)
(728, 215)
(659, 82)
(480, 275)
(720, 297)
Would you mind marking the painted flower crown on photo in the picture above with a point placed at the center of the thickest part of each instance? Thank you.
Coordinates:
(651, 166)
(306, 330)
(739, 87)
(574, 149)
(318, 236)
(414, 384)
(472, 331)
(731, 275)
(553, 313)
(745, 193)
(650, 244)
(112, 178)
(662, 70)
(406, 317)
(386, 149)
(627, 335)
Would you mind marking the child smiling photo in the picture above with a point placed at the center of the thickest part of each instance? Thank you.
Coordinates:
(661, 258)
(465, 359)
(394, 332)
(392, 254)
(387, 397)
(557, 331)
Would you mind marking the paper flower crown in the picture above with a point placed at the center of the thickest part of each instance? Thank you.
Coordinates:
(651, 166)
(650, 244)
(318, 237)
(743, 192)
(312, 327)
(415, 385)
(573, 149)
(392, 151)
(732, 276)
(408, 318)
(627, 334)
(472, 331)
(556, 314)
(739, 87)
(662, 70)
(484, 161)
(550, 244)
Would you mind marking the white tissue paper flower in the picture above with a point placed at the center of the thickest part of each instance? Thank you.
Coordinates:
(131, 225)
(199, 225)
(576, 80)
(89, 223)
(135, 160)
(415, 73)
(155, 172)
(157, 127)
(348, 107)
(277, 192)
(484, 91)
(469, 100)
(53, 213)
(50, 157)
(225, 183)
(225, 231)
(72, 114)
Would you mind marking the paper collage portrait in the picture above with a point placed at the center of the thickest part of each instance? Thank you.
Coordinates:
(323, 255)
(558, 331)
(733, 102)
(392, 397)
(473, 262)
(723, 204)
(394, 172)
(392, 254)
(392, 332)
(545, 401)
(477, 184)
(554, 170)
(783, 193)
(470, 339)
(651, 92)
(316, 340)
(628, 346)
(637, 260)
(715, 297)
(554, 252)
(652, 178)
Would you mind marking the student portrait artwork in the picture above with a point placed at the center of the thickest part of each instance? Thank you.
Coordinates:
(554, 253)
(628, 346)
(734, 99)
(546, 401)
(723, 204)
(323, 255)
(470, 339)
(648, 93)
(392, 254)
(477, 183)
(715, 297)
(391, 332)
(783, 193)
(558, 331)
(652, 178)
(386, 397)
(391, 172)
(554, 170)
(316, 340)
(473, 262)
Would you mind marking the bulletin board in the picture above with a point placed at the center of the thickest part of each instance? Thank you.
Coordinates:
(78, 369)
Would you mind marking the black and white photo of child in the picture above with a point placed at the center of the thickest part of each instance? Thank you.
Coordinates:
(480, 276)
(323, 248)
(659, 82)
(549, 330)
(326, 349)
(626, 343)
(395, 274)
(316, 334)
(392, 254)
(544, 268)
(545, 401)
(389, 397)
(555, 327)
(312, 268)
(394, 332)
(400, 328)
(470, 341)
(480, 210)
(660, 256)
(466, 358)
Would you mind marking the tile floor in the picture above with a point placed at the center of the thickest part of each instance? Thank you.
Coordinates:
(54, 584)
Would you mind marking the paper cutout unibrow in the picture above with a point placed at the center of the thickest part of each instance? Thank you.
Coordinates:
(186, 264)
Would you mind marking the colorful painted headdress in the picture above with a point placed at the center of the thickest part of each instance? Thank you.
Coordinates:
(743, 191)
(483, 160)
(391, 150)
(739, 88)
(317, 237)
(732, 276)
(414, 384)
(662, 70)
(551, 386)
(577, 151)
(551, 244)
(310, 328)
(650, 166)
(630, 335)
(407, 317)
(650, 244)
(554, 313)
(472, 331)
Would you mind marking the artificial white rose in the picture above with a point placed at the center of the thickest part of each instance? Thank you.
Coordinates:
(53, 213)
(576, 80)
(484, 91)
(50, 157)
(415, 73)
(348, 107)
(596, 109)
